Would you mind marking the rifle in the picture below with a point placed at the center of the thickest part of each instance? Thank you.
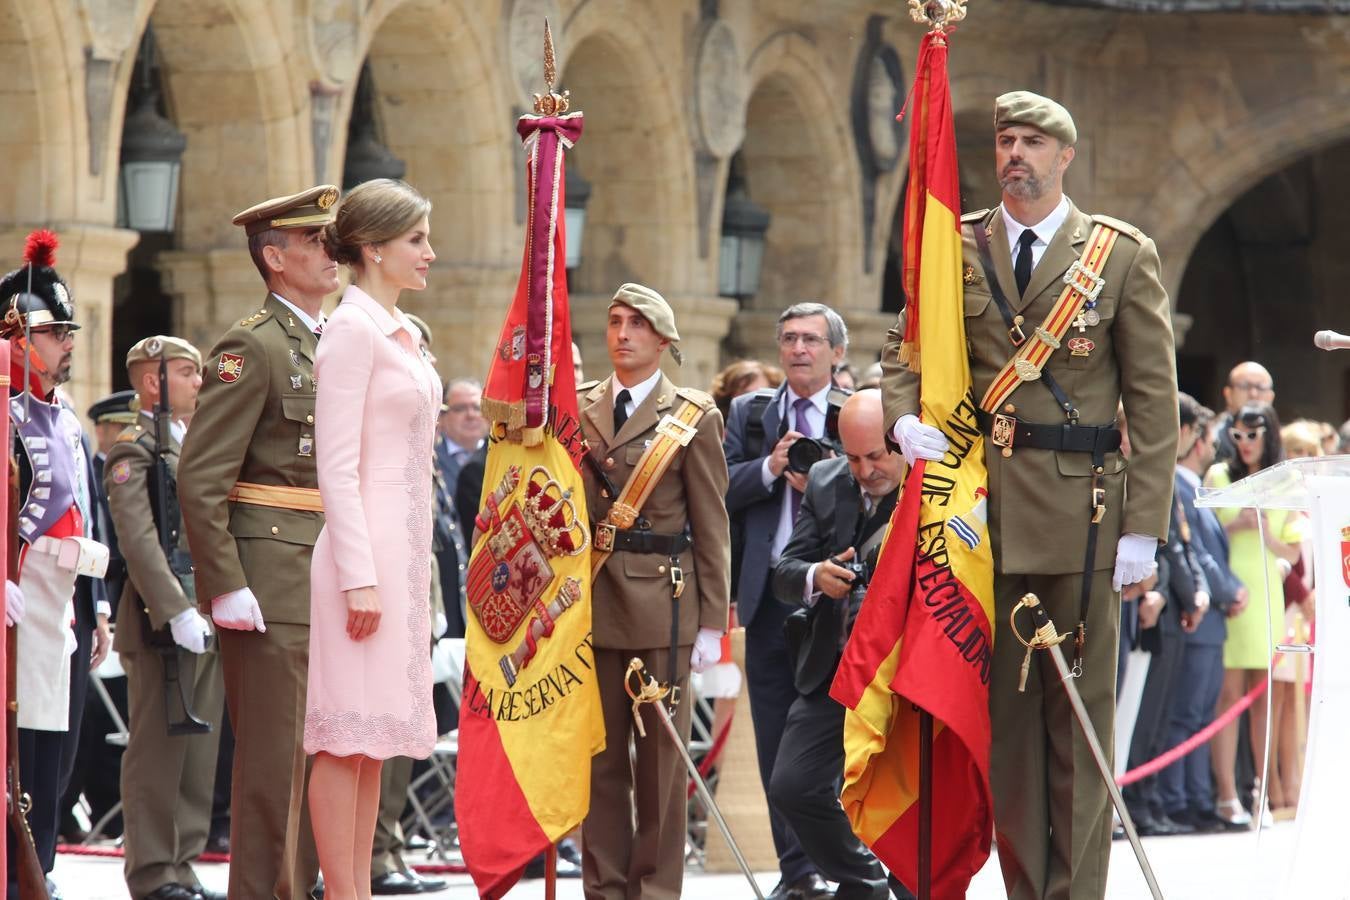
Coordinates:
(176, 698)
(32, 879)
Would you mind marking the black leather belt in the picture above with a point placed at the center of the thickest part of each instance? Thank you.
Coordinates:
(637, 540)
(1011, 432)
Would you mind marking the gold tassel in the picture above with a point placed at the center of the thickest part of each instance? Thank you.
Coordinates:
(909, 356)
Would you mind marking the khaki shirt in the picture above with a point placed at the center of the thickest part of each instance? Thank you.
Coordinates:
(1039, 500)
(254, 423)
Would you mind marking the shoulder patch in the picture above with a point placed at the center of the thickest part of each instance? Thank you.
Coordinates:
(1119, 225)
(259, 316)
(120, 473)
(230, 367)
(700, 398)
(976, 216)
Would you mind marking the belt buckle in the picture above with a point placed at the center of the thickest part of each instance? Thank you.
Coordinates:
(676, 579)
(1077, 271)
(603, 539)
(1003, 432)
(673, 428)
(1098, 498)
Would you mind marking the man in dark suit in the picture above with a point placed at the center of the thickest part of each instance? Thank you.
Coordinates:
(763, 497)
(1186, 788)
(843, 516)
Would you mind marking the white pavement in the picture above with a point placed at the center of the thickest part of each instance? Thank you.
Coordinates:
(1195, 867)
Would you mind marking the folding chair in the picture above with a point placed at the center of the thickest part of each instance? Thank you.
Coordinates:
(110, 668)
(431, 794)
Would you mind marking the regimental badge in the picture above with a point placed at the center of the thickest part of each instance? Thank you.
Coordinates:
(297, 382)
(306, 447)
(230, 367)
(969, 277)
(295, 359)
(121, 472)
(1081, 346)
(507, 582)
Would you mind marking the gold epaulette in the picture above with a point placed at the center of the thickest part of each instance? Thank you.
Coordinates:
(702, 399)
(129, 434)
(976, 216)
(254, 319)
(1120, 225)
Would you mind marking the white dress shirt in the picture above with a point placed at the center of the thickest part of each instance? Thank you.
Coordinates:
(1045, 230)
(637, 393)
(815, 416)
(305, 317)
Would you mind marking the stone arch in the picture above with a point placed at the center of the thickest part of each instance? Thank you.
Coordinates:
(801, 166)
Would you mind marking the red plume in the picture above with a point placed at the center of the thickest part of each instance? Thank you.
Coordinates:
(40, 248)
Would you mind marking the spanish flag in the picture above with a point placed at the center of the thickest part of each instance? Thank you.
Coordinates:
(923, 639)
(530, 716)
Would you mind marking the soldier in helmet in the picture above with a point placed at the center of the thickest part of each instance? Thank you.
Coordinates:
(167, 778)
(56, 514)
(252, 513)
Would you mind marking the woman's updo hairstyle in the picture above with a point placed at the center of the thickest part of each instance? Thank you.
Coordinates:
(373, 212)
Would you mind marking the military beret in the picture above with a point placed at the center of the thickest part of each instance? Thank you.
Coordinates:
(162, 345)
(652, 307)
(118, 407)
(308, 209)
(1026, 108)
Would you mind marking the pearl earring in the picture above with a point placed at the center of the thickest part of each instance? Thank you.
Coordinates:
(378, 259)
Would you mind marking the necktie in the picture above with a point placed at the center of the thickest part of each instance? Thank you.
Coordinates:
(801, 425)
(621, 409)
(1022, 268)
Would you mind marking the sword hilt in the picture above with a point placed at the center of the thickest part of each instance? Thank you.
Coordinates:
(1043, 637)
(642, 688)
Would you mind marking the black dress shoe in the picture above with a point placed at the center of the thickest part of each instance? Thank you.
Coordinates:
(171, 891)
(1176, 826)
(430, 885)
(568, 850)
(202, 893)
(395, 883)
(566, 869)
(808, 887)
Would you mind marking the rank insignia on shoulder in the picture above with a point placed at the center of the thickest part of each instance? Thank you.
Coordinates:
(968, 276)
(253, 318)
(121, 472)
(230, 367)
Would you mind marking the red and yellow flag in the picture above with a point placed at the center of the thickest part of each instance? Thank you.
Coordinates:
(530, 717)
(924, 637)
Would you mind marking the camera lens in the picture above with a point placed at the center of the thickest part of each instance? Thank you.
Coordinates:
(804, 453)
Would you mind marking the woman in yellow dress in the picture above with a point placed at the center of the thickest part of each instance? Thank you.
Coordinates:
(1247, 651)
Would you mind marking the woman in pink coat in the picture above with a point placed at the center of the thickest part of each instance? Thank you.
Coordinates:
(369, 695)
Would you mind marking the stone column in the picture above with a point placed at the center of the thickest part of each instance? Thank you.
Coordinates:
(89, 258)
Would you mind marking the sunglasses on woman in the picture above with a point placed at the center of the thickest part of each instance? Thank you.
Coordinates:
(1253, 435)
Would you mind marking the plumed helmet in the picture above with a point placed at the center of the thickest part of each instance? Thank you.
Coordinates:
(34, 295)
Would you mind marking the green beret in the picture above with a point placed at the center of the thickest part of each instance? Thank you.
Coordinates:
(165, 346)
(652, 307)
(1026, 108)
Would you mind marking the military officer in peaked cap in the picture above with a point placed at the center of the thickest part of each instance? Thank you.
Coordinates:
(1065, 316)
(661, 595)
(167, 779)
(252, 512)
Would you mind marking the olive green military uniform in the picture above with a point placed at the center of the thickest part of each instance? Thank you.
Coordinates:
(1052, 812)
(167, 781)
(631, 615)
(255, 424)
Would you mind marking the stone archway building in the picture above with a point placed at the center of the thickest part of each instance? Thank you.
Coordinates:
(1178, 111)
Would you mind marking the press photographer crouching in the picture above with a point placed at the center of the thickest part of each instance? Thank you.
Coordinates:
(823, 573)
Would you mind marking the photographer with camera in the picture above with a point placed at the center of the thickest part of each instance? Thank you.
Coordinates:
(764, 496)
(823, 575)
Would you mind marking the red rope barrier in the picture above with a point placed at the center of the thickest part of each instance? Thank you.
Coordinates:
(1200, 737)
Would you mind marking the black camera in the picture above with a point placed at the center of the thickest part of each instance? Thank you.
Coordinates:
(862, 575)
(806, 452)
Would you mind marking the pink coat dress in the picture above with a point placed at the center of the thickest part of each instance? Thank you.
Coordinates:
(375, 416)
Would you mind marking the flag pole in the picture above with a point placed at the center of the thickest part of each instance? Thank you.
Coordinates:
(937, 16)
(551, 872)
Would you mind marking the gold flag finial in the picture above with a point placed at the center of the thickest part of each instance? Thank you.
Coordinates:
(552, 103)
(938, 15)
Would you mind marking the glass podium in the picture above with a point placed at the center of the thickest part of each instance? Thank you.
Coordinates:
(1321, 487)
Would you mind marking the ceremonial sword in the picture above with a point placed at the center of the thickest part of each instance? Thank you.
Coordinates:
(1046, 637)
(643, 688)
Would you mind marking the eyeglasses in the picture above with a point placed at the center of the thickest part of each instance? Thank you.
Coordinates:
(812, 341)
(59, 333)
(461, 408)
(1254, 435)
(1253, 387)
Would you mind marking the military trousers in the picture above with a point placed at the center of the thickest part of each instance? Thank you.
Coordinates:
(272, 852)
(386, 855)
(634, 835)
(168, 781)
(1052, 812)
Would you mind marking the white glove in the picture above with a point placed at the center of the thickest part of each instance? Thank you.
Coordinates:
(190, 630)
(707, 650)
(13, 603)
(1134, 559)
(238, 610)
(917, 440)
